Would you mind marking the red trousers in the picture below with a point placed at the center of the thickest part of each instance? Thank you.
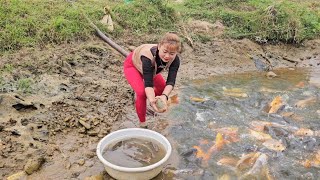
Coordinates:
(135, 79)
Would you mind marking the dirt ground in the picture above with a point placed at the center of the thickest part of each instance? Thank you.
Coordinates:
(79, 95)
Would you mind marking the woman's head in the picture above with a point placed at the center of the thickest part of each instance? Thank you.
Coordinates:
(169, 46)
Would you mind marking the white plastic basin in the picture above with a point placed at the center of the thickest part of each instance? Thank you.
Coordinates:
(140, 173)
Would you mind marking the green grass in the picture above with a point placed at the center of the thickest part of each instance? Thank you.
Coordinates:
(7, 68)
(35, 23)
(25, 85)
(272, 20)
(146, 16)
(22, 84)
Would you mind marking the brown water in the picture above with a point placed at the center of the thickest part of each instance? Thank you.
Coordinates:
(134, 152)
(237, 106)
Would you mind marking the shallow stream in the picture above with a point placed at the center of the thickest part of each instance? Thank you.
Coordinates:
(261, 138)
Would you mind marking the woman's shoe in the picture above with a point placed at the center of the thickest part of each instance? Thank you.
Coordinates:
(143, 125)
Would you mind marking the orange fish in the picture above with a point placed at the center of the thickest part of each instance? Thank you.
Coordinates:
(220, 142)
(260, 135)
(274, 145)
(276, 104)
(259, 125)
(259, 169)
(174, 99)
(197, 99)
(292, 116)
(225, 177)
(234, 92)
(201, 154)
(314, 162)
(304, 132)
(300, 84)
(247, 160)
(228, 161)
(230, 133)
(306, 102)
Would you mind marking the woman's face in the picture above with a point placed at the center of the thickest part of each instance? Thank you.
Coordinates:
(166, 53)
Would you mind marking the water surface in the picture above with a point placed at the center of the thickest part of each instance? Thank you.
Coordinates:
(232, 103)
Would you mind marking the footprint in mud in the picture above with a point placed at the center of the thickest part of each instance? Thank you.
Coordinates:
(24, 107)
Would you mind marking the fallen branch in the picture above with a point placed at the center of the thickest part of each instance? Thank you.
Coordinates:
(114, 45)
(290, 60)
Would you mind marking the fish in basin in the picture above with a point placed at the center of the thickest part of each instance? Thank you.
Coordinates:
(134, 152)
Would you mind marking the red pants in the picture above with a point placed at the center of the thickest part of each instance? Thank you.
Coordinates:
(135, 79)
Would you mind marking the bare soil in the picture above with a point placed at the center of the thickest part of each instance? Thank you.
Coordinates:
(79, 95)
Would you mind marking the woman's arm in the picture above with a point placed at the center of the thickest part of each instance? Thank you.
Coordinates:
(148, 71)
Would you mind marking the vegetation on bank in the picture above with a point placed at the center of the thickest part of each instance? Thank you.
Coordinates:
(36, 23)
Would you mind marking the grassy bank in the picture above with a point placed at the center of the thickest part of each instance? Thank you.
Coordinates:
(265, 20)
(35, 23)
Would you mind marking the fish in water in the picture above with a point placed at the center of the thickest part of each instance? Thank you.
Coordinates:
(268, 90)
(292, 116)
(306, 102)
(304, 132)
(259, 135)
(247, 160)
(259, 125)
(174, 99)
(300, 84)
(275, 145)
(234, 92)
(189, 152)
(314, 162)
(228, 161)
(277, 132)
(259, 169)
(225, 177)
(276, 104)
(218, 145)
(262, 125)
(198, 99)
(193, 172)
(230, 133)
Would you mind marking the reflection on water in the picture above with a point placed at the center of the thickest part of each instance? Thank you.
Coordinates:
(248, 126)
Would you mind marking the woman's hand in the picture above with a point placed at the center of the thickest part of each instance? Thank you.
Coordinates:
(154, 105)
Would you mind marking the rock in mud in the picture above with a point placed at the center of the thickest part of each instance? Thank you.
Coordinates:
(93, 132)
(67, 165)
(33, 164)
(18, 176)
(95, 177)
(81, 162)
(86, 125)
(271, 75)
